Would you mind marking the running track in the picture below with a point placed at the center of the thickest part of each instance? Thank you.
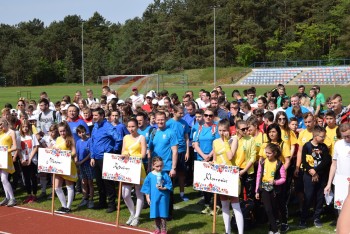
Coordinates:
(23, 220)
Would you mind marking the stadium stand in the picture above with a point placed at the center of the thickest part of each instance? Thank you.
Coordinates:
(303, 75)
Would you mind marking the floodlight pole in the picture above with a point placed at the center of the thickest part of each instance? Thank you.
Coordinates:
(214, 50)
(82, 52)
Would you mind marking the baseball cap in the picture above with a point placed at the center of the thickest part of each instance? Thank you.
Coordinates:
(134, 88)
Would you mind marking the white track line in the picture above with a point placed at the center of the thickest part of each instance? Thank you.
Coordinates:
(1, 232)
(81, 219)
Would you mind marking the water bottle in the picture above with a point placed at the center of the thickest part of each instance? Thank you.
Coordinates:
(159, 179)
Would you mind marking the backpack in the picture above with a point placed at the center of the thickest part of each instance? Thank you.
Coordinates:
(53, 114)
(213, 130)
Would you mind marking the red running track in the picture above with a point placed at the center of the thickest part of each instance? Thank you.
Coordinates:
(23, 220)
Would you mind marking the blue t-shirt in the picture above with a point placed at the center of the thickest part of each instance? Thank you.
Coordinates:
(146, 133)
(83, 151)
(289, 114)
(161, 145)
(180, 129)
(205, 137)
(73, 127)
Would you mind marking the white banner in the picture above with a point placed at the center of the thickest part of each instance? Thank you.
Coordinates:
(54, 161)
(4, 164)
(215, 178)
(118, 168)
(341, 186)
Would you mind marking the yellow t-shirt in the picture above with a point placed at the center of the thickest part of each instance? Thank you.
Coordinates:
(269, 170)
(284, 148)
(6, 140)
(220, 148)
(259, 140)
(245, 153)
(61, 144)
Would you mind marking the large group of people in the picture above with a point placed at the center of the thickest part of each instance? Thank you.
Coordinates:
(286, 147)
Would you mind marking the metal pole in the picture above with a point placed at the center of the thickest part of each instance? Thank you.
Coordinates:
(214, 52)
(82, 52)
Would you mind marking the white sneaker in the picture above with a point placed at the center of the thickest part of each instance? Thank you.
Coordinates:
(12, 202)
(135, 222)
(130, 220)
(83, 202)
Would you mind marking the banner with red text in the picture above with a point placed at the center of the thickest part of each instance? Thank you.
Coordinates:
(54, 161)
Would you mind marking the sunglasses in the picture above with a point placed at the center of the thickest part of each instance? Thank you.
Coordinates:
(244, 129)
(210, 116)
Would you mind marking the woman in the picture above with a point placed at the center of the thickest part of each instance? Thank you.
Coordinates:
(203, 144)
(134, 145)
(82, 104)
(287, 135)
(126, 113)
(21, 107)
(168, 105)
(7, 138)
(313, 102)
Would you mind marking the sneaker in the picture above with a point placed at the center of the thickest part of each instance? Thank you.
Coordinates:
(68, 210)
(284, 227)
(128, 222)
(28, 199)
(302, 224)
(318, 223)
(207, 210)
(4, 202)
(42, 196)
(218, 211)
(135, 222)
(83, 202)
(184, 198)
(61, 210)
(91, 204)
(11, 203)
(111, 209)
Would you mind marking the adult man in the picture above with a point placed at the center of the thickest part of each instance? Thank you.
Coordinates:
(120, 129)
(301, 91)
(245, 158)
(234, 113)
(190, 116)
(47, 117)
(341, 112)
(319, 97)
(44, 95)
(251, 98)
(164, 144)
(341, 158)
(107, 92)
(205, 97)
(148, 106)
(103, 139)
(295, 102)
(236, 95)
(182, 131)
(163, 94)
(136, 98)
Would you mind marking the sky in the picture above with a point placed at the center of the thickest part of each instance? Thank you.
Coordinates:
(14, 11)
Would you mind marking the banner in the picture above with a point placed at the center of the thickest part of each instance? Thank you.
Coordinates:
(4, 164)
(118, 168)
(214, 178)
(54, 161)
(341, 186)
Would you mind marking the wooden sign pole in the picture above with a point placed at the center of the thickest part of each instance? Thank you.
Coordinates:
(53, 195)
(118, 207)
(214, 215)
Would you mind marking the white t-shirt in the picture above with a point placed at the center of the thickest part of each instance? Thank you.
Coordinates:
(27, 145)
(110, 97)
(137, 99)
(342, 156)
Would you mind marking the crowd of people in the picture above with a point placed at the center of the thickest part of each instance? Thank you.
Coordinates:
(286, 147)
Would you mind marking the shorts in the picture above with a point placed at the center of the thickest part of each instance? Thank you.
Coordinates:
(86, 171)
(181, 163)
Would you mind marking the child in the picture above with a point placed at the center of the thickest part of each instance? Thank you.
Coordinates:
(157, 187)
(271, 175)
(7, 138)
(316, 162)
(134, 145)
(29, 160)
(47, 141)
(85, 170)
(66, 142)
(223, 155)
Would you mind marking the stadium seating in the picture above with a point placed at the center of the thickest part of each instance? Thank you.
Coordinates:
(271, 76)
(303, 75)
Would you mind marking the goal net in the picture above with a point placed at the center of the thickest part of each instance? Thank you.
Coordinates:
(124, 83)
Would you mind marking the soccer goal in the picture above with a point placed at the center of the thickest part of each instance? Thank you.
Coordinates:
(124, 83)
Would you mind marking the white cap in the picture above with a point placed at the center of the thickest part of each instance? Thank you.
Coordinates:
(65, 107)
(154, 101)
(120, 102)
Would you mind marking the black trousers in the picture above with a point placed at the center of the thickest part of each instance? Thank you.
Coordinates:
(30, 178)
(106, 188)
(313, 192)
(271, 208)
(248, 182)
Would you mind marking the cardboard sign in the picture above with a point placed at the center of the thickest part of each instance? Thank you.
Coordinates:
(118, 168)
(341, 186)
(214, 178)
(4, 164)
(54, 161)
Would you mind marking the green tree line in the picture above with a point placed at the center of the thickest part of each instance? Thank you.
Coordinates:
(174, 35)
